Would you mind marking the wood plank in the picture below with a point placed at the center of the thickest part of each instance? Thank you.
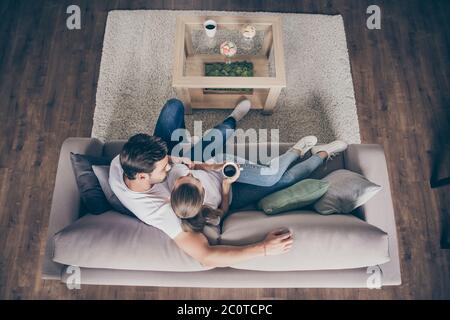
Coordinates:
(199, 100)
(195, 64)
(189, 50)
(278, 51)
(179, 54)
(271, 100)
(228, 82)
(267, 43)
(261, 23)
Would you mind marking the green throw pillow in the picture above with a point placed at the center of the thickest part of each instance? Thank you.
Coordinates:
(296, 196)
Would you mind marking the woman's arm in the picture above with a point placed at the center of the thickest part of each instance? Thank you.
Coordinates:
(225, 204)
(226, 188)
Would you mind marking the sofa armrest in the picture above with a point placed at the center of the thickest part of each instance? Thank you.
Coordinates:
(369, 160)
(66, 198)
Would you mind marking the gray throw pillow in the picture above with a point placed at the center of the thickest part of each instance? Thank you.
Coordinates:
(347, 191)
(102, 173)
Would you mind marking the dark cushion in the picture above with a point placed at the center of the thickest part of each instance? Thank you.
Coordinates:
(91, 193)
(102, 173)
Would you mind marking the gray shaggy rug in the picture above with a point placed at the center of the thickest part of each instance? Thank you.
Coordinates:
(136, 74)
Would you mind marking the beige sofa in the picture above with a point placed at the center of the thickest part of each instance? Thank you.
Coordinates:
(316, 260)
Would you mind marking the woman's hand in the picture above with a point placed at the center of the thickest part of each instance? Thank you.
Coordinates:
(234, 178)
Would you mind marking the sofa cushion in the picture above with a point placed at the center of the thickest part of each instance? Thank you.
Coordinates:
(115, 241)
(320, 242)
(297, 196)
(348, 190)
(91, 193)
(102, 174)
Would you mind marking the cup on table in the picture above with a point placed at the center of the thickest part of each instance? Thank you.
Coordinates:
(210, 27)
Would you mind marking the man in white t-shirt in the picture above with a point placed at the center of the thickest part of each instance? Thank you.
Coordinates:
(138, 179)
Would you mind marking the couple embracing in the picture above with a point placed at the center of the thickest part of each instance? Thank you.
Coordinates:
(180, 195)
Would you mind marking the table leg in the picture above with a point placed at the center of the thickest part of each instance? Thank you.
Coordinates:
(271, 100)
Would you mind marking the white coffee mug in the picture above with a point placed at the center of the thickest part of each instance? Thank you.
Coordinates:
(230, 169)
(210, 27)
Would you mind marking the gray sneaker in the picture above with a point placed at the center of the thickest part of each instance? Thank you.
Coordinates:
(241, 109)
(305, 144)
(332, 148)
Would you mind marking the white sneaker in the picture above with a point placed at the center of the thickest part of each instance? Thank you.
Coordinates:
(305, 144)
(241, 109)
(332, 148)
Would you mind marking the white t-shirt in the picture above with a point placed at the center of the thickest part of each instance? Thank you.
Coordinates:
(152, 206)
(211, 181)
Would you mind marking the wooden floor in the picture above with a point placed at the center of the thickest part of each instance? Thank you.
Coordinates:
(48, 78)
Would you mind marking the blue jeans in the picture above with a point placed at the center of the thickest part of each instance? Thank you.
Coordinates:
(245, 194)
(171, 118)
(263, 175)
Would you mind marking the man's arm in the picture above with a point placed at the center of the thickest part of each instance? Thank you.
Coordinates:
(195, 165)
(196, 245)
(207, 166)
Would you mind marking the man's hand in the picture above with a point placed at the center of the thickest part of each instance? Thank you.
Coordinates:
(182, 160)
(278, 242)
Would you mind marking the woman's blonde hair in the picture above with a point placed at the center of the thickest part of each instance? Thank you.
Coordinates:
(187, 203)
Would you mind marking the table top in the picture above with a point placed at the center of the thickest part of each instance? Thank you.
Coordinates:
(194, 48)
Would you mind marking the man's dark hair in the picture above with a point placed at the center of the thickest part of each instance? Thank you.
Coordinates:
(140, 154)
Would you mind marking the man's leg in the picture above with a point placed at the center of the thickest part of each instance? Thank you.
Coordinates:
(170, 119)
(217, 137)
(244, 194)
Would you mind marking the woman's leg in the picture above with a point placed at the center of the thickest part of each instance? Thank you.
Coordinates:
(270, 174)
(245, 194)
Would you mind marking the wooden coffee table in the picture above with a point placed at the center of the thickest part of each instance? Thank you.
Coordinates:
(193, 49)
